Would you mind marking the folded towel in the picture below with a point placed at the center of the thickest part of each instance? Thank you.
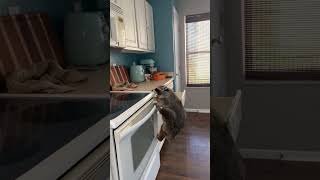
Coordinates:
(43, 77)
(124, 86)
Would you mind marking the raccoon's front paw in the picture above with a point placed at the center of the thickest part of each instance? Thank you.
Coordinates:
(159, 107)
(160, 137)
(155, 103)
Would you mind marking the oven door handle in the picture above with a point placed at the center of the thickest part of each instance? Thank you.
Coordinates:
(134, 128)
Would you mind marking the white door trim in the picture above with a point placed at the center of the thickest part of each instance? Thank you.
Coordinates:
(197, 110)
(176, 53)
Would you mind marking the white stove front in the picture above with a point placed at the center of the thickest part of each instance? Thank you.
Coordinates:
(134, 146)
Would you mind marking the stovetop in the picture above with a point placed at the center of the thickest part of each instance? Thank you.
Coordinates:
(120, 102)
(33, 129)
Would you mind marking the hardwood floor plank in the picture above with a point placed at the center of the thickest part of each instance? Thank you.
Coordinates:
(188, 156)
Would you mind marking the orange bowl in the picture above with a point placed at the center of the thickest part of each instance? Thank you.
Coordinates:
(159, 76)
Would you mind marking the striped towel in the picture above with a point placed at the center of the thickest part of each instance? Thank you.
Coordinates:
(27, 39)
(118, 75)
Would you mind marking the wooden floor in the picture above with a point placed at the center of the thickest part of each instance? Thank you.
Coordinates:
(281, 170)
(188, 156)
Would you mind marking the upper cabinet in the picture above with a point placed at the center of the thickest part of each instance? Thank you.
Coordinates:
(130, 24)
(117, 25)
(138, 18)
(150, 27)
(140, 6)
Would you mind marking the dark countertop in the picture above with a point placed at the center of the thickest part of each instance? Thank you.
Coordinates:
(120, 102)
(33, 129)
(97, 82)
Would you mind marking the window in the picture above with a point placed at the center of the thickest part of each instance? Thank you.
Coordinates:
(198, 49)
(282, 39)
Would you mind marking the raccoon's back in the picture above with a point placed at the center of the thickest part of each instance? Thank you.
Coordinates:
(176, 105)
(180, 114)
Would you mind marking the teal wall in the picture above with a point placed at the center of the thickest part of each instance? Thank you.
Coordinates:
(118, 58)
(162, 16)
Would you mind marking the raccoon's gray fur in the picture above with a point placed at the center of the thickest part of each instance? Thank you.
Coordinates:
(172, 111)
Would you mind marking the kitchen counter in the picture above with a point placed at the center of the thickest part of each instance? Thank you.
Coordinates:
(151, 85)
(96, 83)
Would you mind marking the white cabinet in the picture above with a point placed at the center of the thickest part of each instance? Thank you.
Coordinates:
(130, 24)
(141, 19)
(150, 27)
(139, 26)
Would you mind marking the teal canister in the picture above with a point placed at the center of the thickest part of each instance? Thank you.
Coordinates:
(137, 73)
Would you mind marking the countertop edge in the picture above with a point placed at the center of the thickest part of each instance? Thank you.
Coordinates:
(63, 159)
(151, 85)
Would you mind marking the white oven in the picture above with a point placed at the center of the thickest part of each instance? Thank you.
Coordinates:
(135, 153)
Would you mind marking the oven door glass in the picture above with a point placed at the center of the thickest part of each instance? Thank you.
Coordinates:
(136, 142)
(141, 141)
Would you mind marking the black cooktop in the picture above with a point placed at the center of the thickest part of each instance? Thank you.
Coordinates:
(120, 102)
(33, 129)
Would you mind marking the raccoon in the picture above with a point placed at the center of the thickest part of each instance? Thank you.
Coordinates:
(172, 111)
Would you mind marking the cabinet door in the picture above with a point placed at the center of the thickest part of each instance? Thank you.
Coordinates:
(150, 27)
(130, 23)
(141, 24)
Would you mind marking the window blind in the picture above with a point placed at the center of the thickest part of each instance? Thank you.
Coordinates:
(282, 39)
(198, 49)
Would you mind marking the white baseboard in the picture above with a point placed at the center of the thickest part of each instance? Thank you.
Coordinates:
(310, 156)
(198, 110)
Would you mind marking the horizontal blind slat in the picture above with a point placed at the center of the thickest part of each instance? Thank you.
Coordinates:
(198, 51)
(282, 36)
